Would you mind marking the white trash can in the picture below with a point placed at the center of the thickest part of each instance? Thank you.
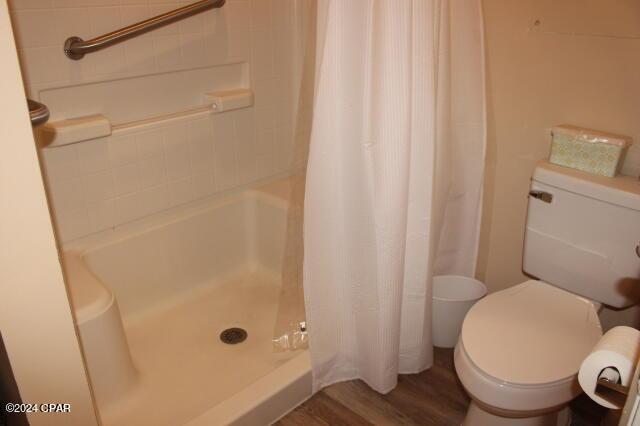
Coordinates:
(453, 296)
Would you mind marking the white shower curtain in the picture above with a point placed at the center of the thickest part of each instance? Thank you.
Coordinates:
(394, 180)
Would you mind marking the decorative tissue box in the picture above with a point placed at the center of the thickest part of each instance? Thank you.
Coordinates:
(588, 150)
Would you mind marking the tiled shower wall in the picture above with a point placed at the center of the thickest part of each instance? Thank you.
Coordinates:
(99, 184)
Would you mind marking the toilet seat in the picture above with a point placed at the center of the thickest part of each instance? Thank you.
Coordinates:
(511, 400)
(532, 334)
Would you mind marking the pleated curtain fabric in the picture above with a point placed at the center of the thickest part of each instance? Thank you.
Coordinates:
(389, 199)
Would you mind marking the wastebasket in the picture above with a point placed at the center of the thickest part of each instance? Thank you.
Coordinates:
(453, 296)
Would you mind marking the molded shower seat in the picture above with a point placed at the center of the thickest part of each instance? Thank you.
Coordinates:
(99, 323)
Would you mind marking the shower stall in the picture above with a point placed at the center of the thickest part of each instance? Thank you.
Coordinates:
(174, 159)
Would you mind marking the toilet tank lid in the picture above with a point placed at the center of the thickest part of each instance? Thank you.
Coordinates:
(623, 191)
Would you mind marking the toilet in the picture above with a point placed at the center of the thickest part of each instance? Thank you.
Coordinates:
(520, 349)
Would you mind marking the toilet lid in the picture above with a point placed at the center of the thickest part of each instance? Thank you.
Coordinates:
(532, 333)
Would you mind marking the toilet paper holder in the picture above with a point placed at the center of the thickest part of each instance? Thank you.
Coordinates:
(611, 391)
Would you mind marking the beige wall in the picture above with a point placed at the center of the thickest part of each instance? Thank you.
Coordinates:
(579, 64)
(35, 317)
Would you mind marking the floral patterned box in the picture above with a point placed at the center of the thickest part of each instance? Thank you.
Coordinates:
(588, 150)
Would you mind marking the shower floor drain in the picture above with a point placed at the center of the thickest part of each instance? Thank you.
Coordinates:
(233, 336)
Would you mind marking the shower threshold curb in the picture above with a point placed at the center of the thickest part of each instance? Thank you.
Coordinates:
(266, 400)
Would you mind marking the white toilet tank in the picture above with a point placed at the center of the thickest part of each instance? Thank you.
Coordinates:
(583, 232)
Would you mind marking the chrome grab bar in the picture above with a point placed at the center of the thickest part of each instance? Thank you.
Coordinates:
(39, 113)
(75, 47)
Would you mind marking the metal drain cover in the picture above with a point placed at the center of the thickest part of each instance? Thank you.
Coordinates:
(233, 336)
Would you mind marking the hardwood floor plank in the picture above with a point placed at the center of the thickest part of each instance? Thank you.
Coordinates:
(443, 357)
(421, 407)
(369, 404)
(321, 407)
(442, 401)
(301, 417)
(441, 385)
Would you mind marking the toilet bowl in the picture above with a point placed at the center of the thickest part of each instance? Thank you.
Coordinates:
(519, 353)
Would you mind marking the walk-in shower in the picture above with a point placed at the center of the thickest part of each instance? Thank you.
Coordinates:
(173, 158)
(186, 283)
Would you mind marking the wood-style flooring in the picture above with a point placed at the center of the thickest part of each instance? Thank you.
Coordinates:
(433, 397)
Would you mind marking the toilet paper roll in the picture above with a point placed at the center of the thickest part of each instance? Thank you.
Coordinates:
(618, 349)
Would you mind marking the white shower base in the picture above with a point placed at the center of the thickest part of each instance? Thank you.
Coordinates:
(179, 279)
